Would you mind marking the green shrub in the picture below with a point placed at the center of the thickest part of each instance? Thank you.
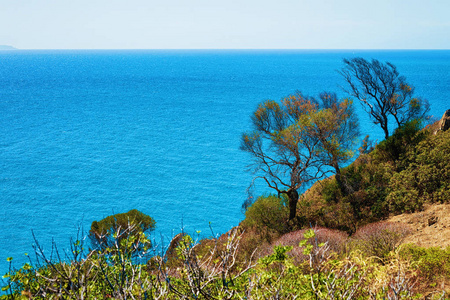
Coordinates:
(432, 263)
(268, 214)
(404, 137)
(426, 179)
(404, 200)
(330, 191)
(369, 178)
(113, 229)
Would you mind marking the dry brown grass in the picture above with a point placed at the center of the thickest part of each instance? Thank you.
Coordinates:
(430, 228)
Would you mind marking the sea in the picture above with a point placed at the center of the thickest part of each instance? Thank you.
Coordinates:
(85, 134)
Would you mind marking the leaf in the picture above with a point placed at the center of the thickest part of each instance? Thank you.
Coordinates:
(308, 249)
(303, 243)
(309, 234)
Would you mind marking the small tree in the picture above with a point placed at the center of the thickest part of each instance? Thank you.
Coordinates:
(112, 230)
(295, 141)
(384, 94)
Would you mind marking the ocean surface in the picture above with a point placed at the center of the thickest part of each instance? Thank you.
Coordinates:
(87, 134)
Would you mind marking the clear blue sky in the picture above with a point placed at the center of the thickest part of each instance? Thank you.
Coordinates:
(225, 24)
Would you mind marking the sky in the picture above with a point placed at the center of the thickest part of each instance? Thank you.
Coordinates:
(225, 24)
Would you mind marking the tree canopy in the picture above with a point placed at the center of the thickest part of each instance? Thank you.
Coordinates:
(115, 228)
(295, 141)
(335, 125)
(384, 94)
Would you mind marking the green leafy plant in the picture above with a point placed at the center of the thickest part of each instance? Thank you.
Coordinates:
(268, 214)
(124, 230)
(432, 263)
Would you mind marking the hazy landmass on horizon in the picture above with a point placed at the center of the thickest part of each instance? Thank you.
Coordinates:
(7, 47)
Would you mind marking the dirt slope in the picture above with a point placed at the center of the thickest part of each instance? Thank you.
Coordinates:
(431, 227)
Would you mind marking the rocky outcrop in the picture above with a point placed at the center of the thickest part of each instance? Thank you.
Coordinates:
(171, 251)
(444, 124)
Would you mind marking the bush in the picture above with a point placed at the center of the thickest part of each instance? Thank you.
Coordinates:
(402, 174)
(432, 263)
(216, 273)
(404, 137)
(113, 229)
(426, 178)
(403, 200)
(252, 243)
(81, 274)
(268, 214)
(313, 208)
(330, 191)
(379, 239)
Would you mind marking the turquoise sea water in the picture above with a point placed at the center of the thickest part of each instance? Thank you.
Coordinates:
(85, 134)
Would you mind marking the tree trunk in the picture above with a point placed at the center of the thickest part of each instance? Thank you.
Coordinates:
(293, 199)
(340, 180)
(384, 126)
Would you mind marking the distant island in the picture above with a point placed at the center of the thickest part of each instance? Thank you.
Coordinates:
(7, 47)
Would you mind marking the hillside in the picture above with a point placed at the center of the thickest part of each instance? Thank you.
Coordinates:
(431, 227)
(403, 174)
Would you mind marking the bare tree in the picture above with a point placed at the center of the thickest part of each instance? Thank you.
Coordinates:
(384, 94)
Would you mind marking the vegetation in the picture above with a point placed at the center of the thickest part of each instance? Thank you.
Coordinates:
(113, 229)
(294, 141)
(267, 215)
(383, 92)
(336, 244)
(310, 269)
(381, 238)
(336, 128)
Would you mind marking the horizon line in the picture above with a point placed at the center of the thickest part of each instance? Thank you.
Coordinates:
(239, 49)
